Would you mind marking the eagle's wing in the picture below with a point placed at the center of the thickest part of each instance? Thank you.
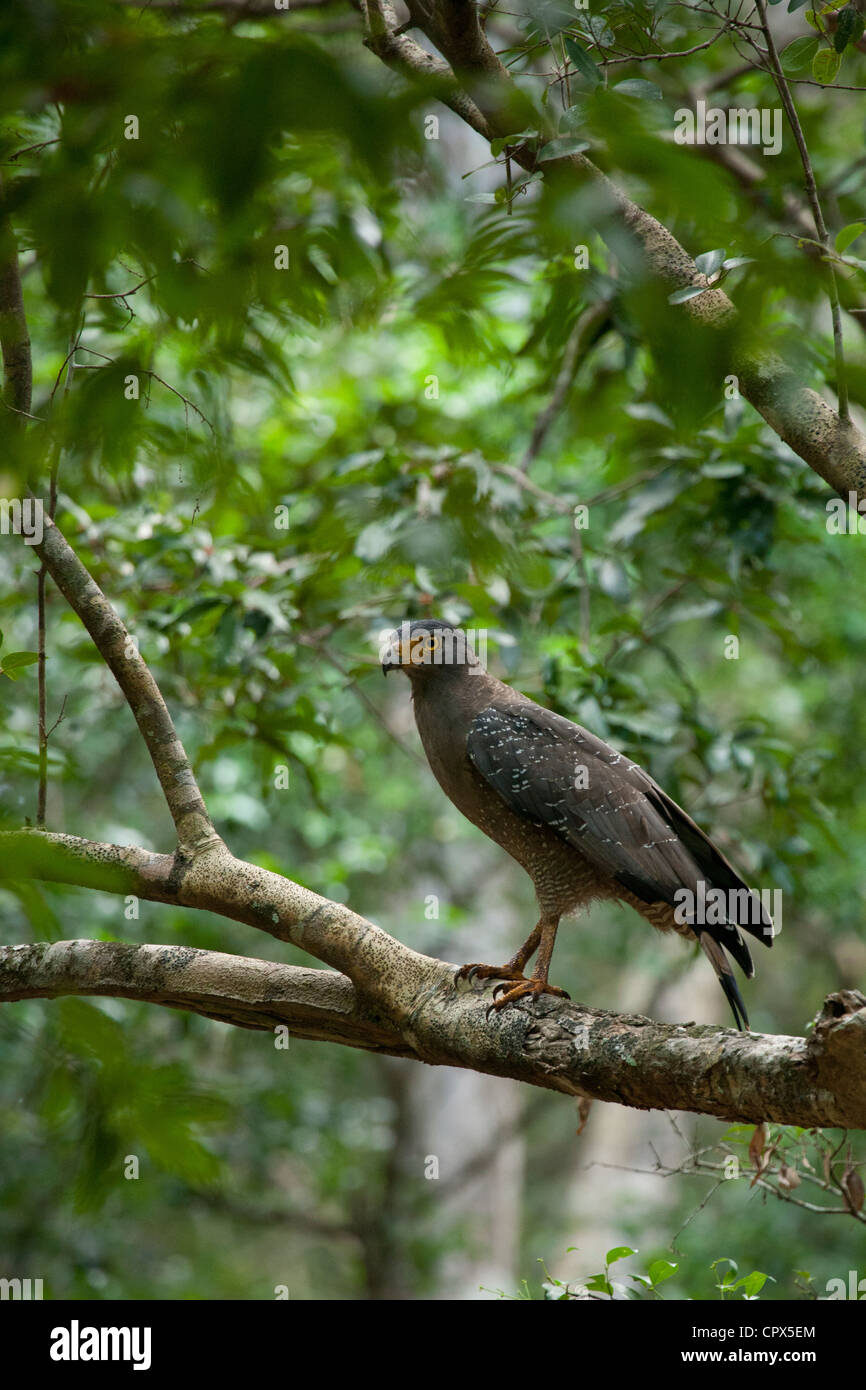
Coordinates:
(557, 774)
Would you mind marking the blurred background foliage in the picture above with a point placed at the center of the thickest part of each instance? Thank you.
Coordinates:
(315, 453)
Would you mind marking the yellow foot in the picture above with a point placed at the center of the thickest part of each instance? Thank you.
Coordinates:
(489, 972)
(531, 987)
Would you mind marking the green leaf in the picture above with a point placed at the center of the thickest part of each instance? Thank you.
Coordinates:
(562, 146)
(849, 27)
(574, 118)
(599, 30)
(660, 1270)
(799, 54)
(753, 1283)
(322, 264)
(710, 261)
(582, 60)
(639, 87)
(619, 1252)
(15, 660)
(688, 292)
(848, 235)
(825, 65)
(734, 262)
(481, 198)
(499, 144)
(598, 1284)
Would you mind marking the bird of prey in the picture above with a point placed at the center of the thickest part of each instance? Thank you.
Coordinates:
(584, 821)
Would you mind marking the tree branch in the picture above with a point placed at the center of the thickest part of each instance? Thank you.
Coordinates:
(256, 994)
(553, 1044)
(212, 879)
(119, 651)
(834, 447)
(410, 998)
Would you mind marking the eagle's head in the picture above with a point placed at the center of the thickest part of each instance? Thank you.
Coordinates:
(427, 648)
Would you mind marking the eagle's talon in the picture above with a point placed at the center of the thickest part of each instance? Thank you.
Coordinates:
(488, 972)
(524, 987)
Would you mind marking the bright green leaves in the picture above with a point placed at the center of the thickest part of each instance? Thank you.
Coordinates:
(826, 64)
(848, 235)
(12, 663)
(749, 1286)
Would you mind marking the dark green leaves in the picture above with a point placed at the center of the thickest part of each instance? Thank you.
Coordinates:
(849, 27)
(638, 87)
(798, 55)
(582, 61)
(559, 148)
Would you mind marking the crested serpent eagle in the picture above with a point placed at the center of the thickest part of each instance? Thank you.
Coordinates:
(584, 821)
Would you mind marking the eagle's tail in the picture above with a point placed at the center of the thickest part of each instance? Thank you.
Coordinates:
(715, 954)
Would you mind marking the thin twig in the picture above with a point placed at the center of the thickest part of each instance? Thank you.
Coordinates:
(659, 57)
(187, 402)
(28, 149)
